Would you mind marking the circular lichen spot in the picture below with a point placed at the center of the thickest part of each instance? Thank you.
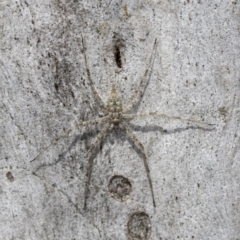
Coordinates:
(119, 188)
(139, 226)
(10, 176)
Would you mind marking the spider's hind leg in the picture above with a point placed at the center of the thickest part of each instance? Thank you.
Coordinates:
(136, 96)
(97, 97)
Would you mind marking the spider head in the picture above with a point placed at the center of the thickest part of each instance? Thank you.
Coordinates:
(114, 102)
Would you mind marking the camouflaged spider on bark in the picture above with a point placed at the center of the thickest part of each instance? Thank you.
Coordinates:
(116, 116)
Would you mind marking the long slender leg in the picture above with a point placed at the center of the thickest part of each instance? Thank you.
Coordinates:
(96, 94)
(91, 151)
(155, 114)
(80, 124)
(133, 100)
(141, 148)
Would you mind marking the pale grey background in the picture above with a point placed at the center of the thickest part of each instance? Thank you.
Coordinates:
(44, 91)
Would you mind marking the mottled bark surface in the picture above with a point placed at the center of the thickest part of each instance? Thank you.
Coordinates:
(45, 90)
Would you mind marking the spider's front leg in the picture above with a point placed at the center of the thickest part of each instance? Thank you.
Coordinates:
(80, 124)
(134, 99)
(91, 151)
(139, 145)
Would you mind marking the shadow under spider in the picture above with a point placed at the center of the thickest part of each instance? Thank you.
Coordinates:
(61, 157)
(164, 131)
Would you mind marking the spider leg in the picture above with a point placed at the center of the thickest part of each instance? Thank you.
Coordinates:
(96, 94)
(80, 124)
(155, 114)
(141, 148)
(91, 151)
(133, 100)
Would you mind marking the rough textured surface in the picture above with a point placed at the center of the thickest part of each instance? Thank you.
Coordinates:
(44, 91)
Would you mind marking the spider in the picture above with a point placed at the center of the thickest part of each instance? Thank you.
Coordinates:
(116, 116)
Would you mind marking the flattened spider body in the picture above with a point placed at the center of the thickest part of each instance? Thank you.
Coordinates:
(115, 116)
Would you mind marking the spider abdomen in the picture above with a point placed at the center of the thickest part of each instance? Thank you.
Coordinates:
(114, 103)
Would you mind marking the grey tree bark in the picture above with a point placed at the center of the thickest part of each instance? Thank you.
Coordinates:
(45, 90)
